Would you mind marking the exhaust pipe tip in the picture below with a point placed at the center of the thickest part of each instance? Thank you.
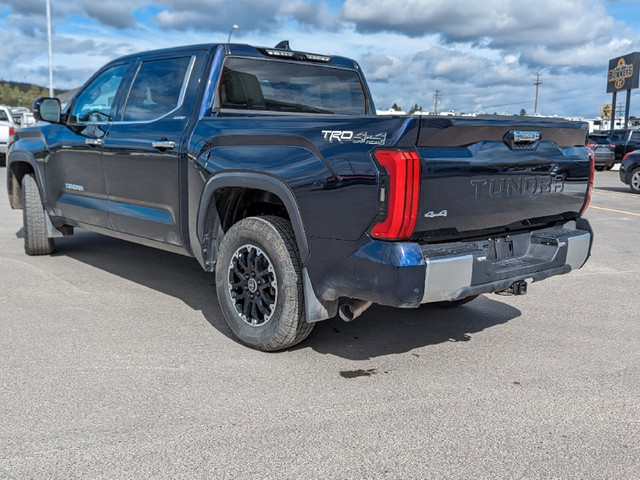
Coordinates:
(353, 309)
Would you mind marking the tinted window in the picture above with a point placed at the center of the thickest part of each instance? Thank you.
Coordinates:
(250, 84)
(156, 89)
(95, 103)
(635, 136)
(617, 136)
(3, 116)
(598, 139)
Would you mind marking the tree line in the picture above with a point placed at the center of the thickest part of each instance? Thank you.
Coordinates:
(17, 94)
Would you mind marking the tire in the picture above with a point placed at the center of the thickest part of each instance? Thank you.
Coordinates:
(36, 241)
(456, 303)
(259, 284)
(634, 180)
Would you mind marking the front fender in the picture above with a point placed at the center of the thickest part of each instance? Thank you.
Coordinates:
(19, 164)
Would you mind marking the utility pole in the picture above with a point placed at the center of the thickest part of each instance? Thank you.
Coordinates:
(537, 83)
(436, 99)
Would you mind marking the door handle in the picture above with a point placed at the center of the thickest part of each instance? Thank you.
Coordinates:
(94, 142)
(163, 144)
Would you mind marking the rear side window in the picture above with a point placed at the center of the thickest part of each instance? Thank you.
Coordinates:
(157, 88)
(635, 136)
(252, 84)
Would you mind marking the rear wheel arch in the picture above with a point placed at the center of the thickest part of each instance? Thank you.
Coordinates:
(231, 196)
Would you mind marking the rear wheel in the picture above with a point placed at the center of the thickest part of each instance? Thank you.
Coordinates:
(634, 180)
(34, 220)
(259, 284)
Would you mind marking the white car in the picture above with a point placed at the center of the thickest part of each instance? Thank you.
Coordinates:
(7, 129)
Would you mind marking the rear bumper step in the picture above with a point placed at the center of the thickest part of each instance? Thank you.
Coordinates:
(456, 271)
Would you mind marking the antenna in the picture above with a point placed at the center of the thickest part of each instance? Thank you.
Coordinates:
(283, 45)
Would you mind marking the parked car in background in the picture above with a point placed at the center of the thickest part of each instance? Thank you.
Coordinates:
(625, 140)
(630, 171)
(603, 151)
(7, 130)
(22, 117)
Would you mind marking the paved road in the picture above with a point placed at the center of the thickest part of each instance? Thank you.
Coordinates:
(115, 363)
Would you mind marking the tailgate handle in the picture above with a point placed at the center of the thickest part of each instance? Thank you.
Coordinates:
(522, 139)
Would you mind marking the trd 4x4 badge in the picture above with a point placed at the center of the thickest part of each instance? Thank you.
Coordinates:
(343, 136)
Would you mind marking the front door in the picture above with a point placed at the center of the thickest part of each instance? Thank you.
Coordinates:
(76, 188)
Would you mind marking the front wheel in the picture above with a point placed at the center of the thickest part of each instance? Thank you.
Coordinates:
(34, 219)
(259, 284)
(634, 180)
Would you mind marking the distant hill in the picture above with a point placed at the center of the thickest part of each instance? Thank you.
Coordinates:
(20, 94)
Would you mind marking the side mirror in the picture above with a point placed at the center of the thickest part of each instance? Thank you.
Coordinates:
(47, 109)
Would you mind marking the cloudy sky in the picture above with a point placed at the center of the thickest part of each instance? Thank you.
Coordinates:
(480, 55)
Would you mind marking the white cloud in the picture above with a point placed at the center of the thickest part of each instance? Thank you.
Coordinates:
(478, 54)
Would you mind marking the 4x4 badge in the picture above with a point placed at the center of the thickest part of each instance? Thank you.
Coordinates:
(432, 214)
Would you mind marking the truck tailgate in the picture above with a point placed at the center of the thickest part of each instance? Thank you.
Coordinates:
(493, 175)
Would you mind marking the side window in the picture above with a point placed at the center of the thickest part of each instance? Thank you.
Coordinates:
(635, 136)
(95, 103)
(157, 89)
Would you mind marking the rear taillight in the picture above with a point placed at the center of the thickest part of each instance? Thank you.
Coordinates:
(11, 132)
(592, 168)
(399, 194)
(626, 156)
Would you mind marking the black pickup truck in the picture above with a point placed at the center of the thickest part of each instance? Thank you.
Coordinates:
(270, 167)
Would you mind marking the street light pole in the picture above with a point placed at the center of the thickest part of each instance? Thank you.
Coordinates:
(235, 27)
(50, 59)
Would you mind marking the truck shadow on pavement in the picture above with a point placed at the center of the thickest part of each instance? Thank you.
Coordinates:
(378, 332)
(384, 331)
(176, 275)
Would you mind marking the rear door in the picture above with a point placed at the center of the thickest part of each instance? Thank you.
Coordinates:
(144, 149)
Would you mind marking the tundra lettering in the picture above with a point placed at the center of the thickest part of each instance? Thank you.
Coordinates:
(517, 186)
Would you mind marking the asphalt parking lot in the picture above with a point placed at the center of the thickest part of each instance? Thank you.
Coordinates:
(115, 362)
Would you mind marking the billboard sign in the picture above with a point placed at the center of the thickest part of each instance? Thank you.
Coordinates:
(623, 72)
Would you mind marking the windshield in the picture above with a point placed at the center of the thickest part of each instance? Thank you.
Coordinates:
(277, 86)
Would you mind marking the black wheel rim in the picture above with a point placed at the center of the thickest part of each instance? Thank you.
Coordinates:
(252, 285)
